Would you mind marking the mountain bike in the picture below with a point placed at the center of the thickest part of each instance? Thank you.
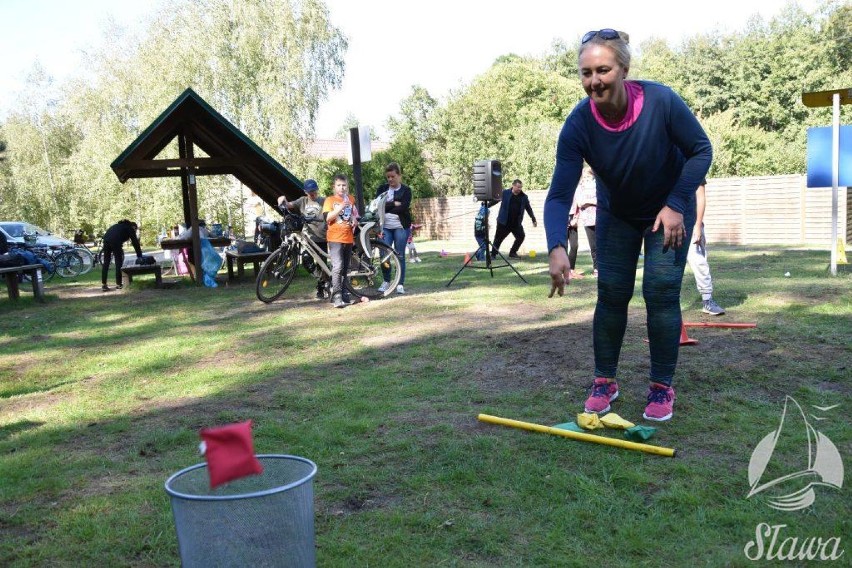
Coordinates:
(371, 259)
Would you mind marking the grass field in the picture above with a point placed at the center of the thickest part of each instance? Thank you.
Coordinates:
(102, 397)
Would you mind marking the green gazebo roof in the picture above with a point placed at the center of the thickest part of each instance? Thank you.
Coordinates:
(228, 150)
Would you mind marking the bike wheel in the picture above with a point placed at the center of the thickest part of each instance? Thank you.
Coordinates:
(276, 274)
(88, 260)
(48, 264)
(367, 268)
(68, 264)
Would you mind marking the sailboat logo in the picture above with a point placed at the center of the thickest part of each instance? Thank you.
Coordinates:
(820, 466)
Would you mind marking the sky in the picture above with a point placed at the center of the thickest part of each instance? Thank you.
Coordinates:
(440, 45)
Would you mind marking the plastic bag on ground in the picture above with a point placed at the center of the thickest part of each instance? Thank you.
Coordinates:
(211, 262)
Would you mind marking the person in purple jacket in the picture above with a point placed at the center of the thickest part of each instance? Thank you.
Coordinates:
(649, 154)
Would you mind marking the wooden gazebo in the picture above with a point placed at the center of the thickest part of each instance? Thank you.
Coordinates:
(196, 124)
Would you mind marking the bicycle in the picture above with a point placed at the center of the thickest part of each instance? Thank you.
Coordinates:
(68, 262)
(90, 258)
(57, 259)
(370, 259)
(41, 256)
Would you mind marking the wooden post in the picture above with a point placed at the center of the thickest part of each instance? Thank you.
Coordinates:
(38, 285)
(182, 152)
(12, 284)
(355, 143)
(191, 203)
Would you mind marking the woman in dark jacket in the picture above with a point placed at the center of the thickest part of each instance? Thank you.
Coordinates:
(397, 220)
(114, 240)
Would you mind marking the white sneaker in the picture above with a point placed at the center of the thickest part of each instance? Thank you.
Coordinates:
(400, 289)
(384, 287)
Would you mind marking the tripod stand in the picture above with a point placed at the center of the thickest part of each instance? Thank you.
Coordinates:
(488, 258)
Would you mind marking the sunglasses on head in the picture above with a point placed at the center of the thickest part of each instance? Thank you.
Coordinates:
(606, 33)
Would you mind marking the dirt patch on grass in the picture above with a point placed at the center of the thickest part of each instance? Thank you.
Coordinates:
(357, 503)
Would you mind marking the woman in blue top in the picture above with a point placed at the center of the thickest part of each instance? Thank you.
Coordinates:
(649, 154)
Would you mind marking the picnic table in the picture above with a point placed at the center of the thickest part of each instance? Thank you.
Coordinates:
(33, 270)
(242, 258)
(132, 270)
(185, 245)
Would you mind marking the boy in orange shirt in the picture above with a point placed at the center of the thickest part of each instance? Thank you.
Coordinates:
(341, 215)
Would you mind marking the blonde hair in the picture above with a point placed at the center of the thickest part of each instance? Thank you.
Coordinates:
(620, 47)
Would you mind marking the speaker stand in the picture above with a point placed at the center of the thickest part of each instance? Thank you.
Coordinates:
(489, 266)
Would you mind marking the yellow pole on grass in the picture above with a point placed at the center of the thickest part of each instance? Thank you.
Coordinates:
(668, 452)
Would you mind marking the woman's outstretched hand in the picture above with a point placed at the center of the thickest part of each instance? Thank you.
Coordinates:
(560, 271)
(674, 231)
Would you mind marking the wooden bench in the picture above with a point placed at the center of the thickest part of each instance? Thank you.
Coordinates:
(135, 270)
(242, 258)
(34, 272)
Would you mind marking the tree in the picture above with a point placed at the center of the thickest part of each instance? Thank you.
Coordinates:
(40, 142)
(750, 151)
(658, 62)
(403, 150)
(502, 115)
(264, 64)
(836, 34)
(416, 116)
(351, 121)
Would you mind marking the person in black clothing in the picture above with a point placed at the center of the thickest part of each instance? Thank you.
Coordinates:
(114, 240)
(511, 217)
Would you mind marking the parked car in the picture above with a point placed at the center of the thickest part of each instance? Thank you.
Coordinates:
(16, 230)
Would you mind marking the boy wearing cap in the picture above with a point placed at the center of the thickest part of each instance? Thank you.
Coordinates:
(310, 207)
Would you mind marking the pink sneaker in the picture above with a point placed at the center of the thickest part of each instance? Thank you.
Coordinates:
(660, 403)
(604, 391)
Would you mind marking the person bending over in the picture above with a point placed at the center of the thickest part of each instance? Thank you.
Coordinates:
(114, 240)
(649, 154)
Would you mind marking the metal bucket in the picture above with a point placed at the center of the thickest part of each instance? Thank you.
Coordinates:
(260, 520)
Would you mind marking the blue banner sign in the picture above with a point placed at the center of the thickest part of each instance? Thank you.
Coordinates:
(819, 157)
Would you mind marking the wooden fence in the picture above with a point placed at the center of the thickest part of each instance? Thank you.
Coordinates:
(778, 210)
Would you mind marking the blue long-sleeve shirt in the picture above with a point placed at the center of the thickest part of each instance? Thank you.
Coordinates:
(659, 160)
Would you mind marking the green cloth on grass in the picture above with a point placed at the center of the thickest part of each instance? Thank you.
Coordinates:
(572, 426)
(639, 433)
